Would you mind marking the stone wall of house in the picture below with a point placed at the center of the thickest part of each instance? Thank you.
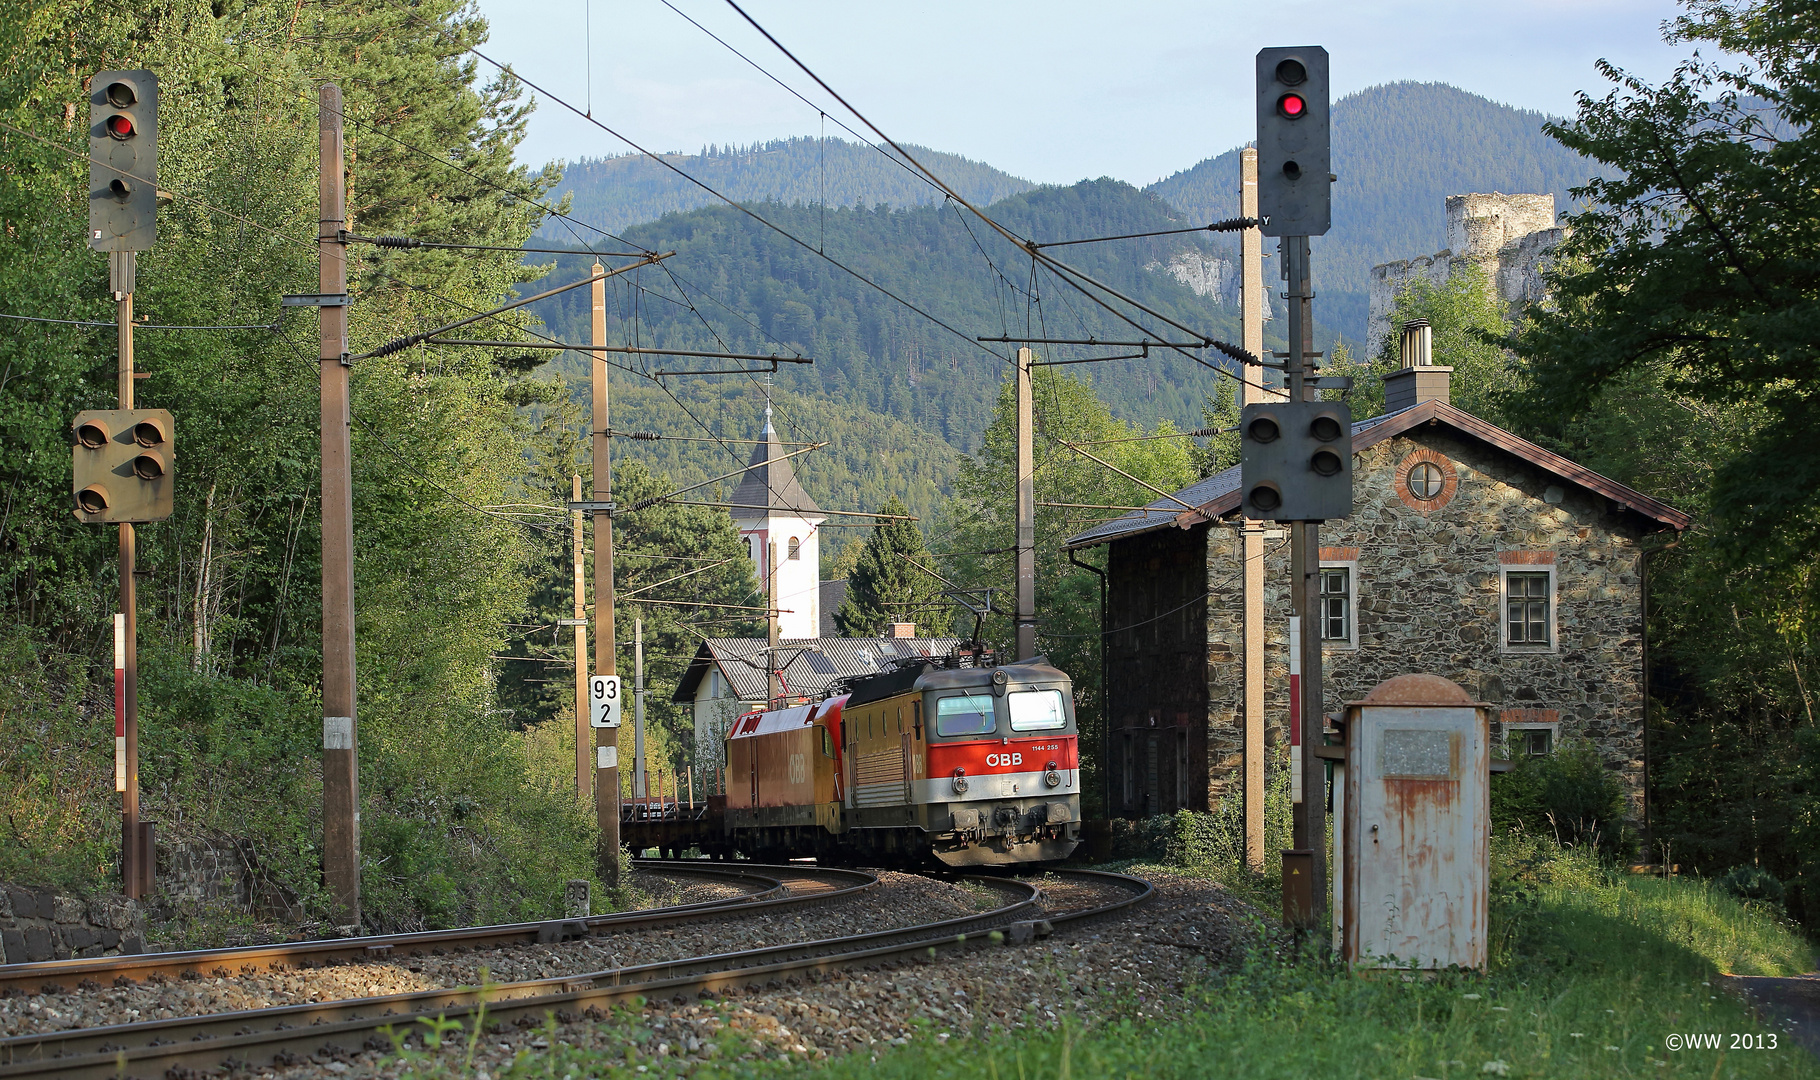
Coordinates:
(1509, 237)
(40, 924)
(1428, 600)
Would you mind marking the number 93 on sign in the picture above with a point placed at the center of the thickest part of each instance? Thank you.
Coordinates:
(603, 701)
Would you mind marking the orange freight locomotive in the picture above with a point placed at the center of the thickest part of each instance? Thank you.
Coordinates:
(970, 763)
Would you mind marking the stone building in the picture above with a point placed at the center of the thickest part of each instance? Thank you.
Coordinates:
(1509, 237)
(1470, 553)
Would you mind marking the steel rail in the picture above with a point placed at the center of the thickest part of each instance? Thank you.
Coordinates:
(326, 1031)
(251, 959)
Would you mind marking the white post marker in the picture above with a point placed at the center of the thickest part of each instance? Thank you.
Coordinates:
(603, 701)
(119, 701)
(1295, 709)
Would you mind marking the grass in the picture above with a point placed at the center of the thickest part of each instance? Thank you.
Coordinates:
(1592, 971)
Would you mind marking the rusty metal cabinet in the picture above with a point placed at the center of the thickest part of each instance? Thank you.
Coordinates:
(1412, 825)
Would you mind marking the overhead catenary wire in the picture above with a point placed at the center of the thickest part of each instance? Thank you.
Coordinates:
(408, 340)
(413, 242)
(1235, 352)
(563, 346)
(746, 210)
(113, 323)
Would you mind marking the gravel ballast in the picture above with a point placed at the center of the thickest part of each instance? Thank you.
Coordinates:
(899, 900)
(1138, 963)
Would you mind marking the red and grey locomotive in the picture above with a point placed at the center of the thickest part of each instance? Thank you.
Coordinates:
(971, 764)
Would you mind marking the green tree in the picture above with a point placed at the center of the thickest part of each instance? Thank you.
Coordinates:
(889, 583)
(1467, 328)
(1694, 257)
(459, 827)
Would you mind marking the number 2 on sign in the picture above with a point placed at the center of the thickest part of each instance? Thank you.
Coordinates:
(603, 701)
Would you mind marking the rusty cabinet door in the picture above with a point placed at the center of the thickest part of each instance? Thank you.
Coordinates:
(1416, 884)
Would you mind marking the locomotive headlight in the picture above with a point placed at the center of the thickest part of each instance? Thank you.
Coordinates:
(1051, 777)
(960, 781)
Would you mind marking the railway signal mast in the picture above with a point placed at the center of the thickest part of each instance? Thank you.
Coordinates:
(123, 459)
(1296, 455)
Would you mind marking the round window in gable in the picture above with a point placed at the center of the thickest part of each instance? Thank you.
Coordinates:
(1425, 481)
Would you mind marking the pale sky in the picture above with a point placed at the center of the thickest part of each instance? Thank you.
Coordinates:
(1055, 91)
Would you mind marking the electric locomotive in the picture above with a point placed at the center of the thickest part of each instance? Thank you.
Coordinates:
(968, 763)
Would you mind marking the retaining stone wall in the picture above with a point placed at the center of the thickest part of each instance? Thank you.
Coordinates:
(38, 925)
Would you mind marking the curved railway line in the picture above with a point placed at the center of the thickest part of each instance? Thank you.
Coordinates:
(292, 1034)
(767, 890)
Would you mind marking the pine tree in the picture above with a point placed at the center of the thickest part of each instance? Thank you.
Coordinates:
(887, 586)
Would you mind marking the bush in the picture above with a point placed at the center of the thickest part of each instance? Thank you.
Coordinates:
(1569, 795)
(1753, 883)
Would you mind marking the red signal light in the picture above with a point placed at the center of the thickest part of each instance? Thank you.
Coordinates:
(120, 126)
(1293, 106)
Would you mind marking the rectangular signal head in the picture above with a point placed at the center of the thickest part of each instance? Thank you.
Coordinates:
(123, 466)
(123, 160)
(1295, 156)
(1295, 461)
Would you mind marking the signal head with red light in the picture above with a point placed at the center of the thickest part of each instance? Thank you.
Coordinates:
(123, 161)
(1294, 156)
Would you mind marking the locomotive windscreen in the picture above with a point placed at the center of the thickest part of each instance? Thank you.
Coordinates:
(971, 714)
(1037, 710)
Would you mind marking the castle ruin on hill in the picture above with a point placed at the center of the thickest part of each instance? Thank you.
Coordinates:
(1509, 237)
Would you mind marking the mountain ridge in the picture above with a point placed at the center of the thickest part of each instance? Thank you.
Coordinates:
(1389, 205)
(631, 189)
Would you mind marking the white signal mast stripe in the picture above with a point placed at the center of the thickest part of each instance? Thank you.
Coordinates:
(1295, 709)
(119, 701)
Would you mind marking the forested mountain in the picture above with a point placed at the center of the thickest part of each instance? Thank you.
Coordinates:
(614, 192)
(1399, 151)
(898, 395)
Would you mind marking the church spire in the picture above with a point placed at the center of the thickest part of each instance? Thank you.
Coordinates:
(770, 480)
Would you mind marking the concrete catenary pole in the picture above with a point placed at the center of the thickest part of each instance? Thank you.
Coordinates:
(606, 747)
(340, 761)
(135, 874)
(1026, 511)
(584, 771)
(1251, 533)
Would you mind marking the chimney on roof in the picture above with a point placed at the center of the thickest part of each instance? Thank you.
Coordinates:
(1418, 380)
(901, 630)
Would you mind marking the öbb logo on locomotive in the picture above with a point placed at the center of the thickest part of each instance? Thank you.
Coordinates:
(956, 760)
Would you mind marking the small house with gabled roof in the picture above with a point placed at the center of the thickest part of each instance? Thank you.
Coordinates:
(1471, 553)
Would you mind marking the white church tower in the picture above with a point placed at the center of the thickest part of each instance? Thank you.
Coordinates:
(771, 507)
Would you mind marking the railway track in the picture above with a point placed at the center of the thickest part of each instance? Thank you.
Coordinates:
(294, 1034)
(767, 890)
